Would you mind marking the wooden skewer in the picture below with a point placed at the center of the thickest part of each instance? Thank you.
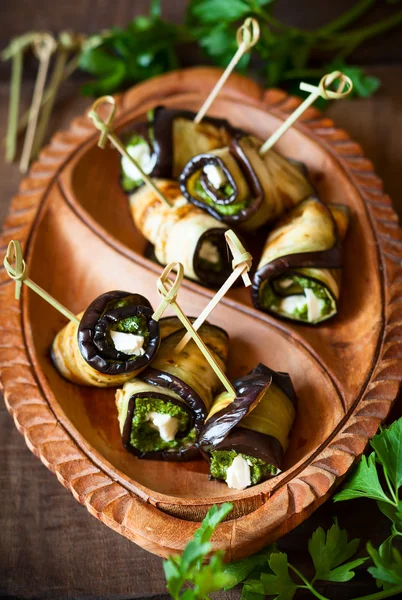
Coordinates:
(241, 265)
(247, 36)
(16, 269)
(15, 50)
(69, 69)
(168, 290)
(44, 47)
(344, 88)
(106, 129)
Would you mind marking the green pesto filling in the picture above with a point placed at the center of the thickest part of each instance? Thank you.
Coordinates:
(222, 459)
(145, 438)
(271, 295)
(222, 209)
(129, 184)
(137, 324)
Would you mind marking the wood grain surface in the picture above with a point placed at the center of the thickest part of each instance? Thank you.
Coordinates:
(49, 545)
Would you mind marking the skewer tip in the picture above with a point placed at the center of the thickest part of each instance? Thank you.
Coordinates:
(104, 126)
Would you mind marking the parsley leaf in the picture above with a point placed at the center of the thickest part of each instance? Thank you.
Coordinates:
(220, 43)
(388, 447)
(145, 48)
(394, 513)
(148, 45)
(213, 11)
(241, 569)
(252, 590)
(188, 569)
(364, 483)
(388, 565)
(363, 85)
(329, 550)
(214, 516)
(280, 582)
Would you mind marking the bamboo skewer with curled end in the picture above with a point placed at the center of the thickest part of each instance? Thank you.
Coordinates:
(15, 51)
(247, 36)
(113, 340)
(161, 410)
(247, 184)
(119, 336)
(241, 265)
(179, 231)
(44, 47)
(323, 90)
(170, 137)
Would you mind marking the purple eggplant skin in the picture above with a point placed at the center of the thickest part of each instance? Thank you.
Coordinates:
(93, 334)
(192, 401)
(181, 455)
(199, 162)
(210, 277)
(251, 443)
(181, 388)
(161, 138)
(223, 430)
(331, 258)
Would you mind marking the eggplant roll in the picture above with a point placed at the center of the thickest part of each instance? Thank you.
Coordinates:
(163, 409)
(244, 438)
(170, 138)
(299, 273)
(182, 233)
(237, 185)
(115, 340)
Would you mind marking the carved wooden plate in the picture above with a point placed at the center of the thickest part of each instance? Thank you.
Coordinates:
(79, 241)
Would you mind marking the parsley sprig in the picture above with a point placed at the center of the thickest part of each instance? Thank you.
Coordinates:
(284, 55)
(187, 577)
(334, 557)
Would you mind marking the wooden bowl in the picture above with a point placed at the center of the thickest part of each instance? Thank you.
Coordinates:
(79, 241)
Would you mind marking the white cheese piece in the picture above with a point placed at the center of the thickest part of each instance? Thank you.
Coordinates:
(142, 155)
(215, 176)
(209, 252)
(129, 343)
(165, 424)
(285, 283)
(291, 303)
(314, 305)
(238, 475)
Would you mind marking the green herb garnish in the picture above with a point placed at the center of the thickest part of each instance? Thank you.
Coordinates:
(270, 574)
(148, 45)
(188, 578)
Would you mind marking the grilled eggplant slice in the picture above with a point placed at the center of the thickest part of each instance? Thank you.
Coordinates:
(299, 274)
(182, 233)
(162, 410)
(244, 438)
(115, 340)
(170, 138)
(240, 187)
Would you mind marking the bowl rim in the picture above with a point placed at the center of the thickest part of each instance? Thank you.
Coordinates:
(50, 439)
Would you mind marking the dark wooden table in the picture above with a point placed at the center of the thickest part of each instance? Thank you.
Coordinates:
(50, 547)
